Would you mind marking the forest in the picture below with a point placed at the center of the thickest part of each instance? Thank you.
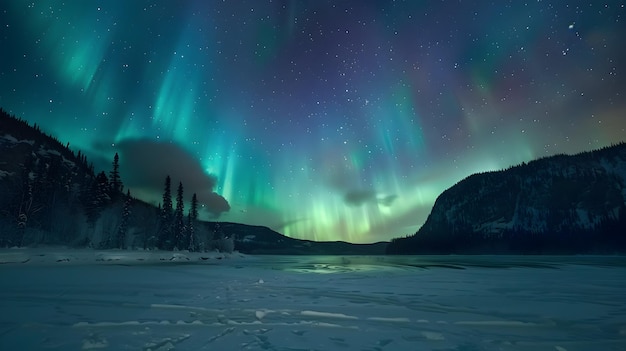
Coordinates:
(52, 195)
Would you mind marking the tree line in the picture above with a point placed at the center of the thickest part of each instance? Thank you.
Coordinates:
(52, 196)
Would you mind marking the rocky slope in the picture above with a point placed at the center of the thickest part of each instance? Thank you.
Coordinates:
(559, 204)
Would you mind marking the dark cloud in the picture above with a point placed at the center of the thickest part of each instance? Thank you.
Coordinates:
(145, 164)
(362, 196)
(343, 179)
(215, 203)
(387, 200)
(359, 197)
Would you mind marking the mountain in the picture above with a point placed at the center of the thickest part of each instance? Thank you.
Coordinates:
(52, 196)
(262, 240)
(554, 205)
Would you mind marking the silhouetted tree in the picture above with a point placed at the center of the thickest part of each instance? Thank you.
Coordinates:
(191, 218)
(116, 181)
(165, 238)
(179, 223)
(122, 231)
(97, 198)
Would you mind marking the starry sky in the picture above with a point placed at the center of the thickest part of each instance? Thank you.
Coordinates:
(324, 120)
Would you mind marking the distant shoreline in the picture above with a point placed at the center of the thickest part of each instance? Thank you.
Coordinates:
(69, 256)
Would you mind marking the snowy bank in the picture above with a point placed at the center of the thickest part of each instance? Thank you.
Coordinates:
(46, 256)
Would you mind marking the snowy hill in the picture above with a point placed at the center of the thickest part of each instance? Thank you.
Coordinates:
(559, 204)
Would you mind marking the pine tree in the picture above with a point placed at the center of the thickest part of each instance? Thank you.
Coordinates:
(165, 237)
(97, 197)
(194, 207)
(126, 212)
(179, 223)
(167, 196)
(116, 181)
(191, 218)
(51, 195)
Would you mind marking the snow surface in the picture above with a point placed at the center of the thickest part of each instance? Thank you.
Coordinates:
(5, 173)
(47, 256)
(89, 300)
(11, 139)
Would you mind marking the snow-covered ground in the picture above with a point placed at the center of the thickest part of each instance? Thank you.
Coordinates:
(115, 301)
(47, 256)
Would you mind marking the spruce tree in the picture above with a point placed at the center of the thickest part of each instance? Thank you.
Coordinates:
(191, 218)
(97, 198)
(165, 237)
(126, 212)
(179, 223)
(167, 196)
(116, 181)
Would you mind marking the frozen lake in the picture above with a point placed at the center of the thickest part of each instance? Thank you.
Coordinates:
(461, 303)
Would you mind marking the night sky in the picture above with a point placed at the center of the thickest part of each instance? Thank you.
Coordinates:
(324, 120)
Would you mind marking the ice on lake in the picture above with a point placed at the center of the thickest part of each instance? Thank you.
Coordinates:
(462, 303)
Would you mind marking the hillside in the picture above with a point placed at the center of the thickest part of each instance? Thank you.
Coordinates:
(41, 181)
(560, 204)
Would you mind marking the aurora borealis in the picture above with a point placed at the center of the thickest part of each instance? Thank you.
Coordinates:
(324, 120)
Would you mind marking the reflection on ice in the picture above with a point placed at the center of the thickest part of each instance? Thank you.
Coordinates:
(462, 303)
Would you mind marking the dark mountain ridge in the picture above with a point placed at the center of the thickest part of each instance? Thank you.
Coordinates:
(554, 205)
(47, 198)
(262, 240)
